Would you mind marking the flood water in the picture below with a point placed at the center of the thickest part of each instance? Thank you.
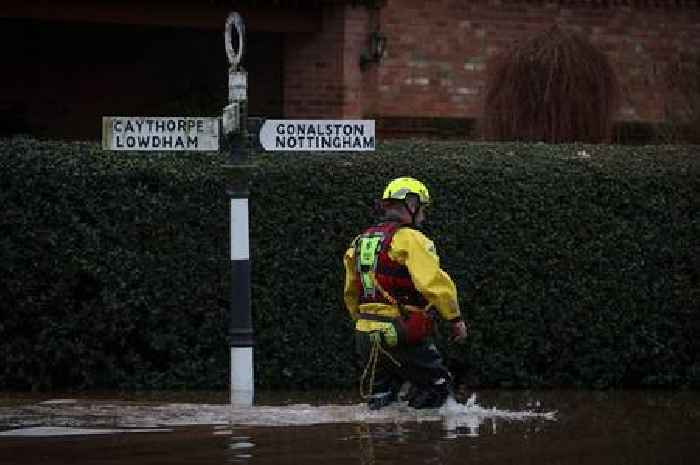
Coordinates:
(490, 427)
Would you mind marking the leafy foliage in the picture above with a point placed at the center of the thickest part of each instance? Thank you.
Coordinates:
(577, 265)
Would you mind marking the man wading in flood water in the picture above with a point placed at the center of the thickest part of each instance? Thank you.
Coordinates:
(394, 287)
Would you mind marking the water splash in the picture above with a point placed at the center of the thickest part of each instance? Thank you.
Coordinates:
(121, 415)
(466, 419)
(304, 414)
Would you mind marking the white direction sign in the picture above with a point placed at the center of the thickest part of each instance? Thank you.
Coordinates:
(318, 135)
(160, 133)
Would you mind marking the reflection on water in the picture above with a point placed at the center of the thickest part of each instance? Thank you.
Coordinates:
(500, 427)
(238, 448)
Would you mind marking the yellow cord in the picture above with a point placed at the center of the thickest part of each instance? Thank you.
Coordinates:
(376, 340)
(371, 367)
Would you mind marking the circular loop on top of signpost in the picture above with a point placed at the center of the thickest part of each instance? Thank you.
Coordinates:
(234, 21)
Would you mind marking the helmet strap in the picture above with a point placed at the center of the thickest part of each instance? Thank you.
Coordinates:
(413, 213)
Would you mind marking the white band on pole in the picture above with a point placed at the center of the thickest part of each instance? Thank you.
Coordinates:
(241, 376)
(240, 243)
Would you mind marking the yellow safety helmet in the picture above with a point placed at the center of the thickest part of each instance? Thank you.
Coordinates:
(399, 188)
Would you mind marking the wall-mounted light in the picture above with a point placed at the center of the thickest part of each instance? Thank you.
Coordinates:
(377, 45)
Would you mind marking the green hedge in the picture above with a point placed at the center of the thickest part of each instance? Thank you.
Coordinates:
(577, 265)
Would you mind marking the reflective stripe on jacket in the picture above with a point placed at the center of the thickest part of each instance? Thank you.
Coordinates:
(382, 279)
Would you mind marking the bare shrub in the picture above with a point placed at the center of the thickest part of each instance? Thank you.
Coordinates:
(556, 87)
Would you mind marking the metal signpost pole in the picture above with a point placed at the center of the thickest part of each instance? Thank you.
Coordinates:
(234, 124)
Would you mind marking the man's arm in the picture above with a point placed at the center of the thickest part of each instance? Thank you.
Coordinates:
(417, 253)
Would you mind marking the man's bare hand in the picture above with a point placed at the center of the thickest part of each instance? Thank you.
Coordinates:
(459, 332)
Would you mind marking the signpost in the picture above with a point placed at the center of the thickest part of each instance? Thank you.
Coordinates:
(318, 135)
(160, 133)
(238, 170)
(125, 133)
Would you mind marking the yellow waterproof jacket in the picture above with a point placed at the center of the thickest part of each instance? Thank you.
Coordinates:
(414, 250)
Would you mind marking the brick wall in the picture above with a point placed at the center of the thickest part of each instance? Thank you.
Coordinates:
(322, 78)
(432, 76)
(438, 50)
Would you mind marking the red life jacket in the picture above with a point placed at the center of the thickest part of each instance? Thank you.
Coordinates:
(394, 279)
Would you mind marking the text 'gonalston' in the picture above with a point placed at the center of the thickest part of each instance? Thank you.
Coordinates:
(318, 135)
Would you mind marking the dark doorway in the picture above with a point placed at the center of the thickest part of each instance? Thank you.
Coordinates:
(61, 77)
